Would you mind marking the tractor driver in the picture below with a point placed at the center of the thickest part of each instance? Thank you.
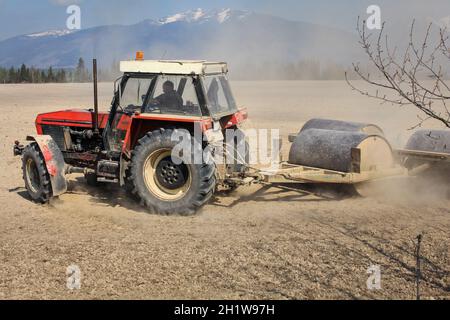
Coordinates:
(170, 100)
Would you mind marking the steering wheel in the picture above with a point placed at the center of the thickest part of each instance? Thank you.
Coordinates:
(152, 106)
(130, 109)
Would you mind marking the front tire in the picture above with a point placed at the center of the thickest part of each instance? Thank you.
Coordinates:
(35, 174)
(163, 186)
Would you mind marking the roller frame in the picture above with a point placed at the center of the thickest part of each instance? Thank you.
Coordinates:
(422, 155)
(292, 173)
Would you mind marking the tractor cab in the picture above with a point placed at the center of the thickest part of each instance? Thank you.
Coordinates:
(192, 95)
(166, 89)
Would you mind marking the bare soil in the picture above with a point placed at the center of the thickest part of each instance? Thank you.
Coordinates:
(257, 243)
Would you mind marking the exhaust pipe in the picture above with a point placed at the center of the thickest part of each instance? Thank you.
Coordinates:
(95, 120)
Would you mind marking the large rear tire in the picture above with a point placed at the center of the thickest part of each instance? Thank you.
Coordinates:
(163, 186)
(35, 174)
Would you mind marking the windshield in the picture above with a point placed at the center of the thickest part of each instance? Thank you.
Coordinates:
(135, 92)
(174, 95)
(218, 95)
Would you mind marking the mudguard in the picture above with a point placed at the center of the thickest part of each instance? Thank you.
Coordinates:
(54, 161)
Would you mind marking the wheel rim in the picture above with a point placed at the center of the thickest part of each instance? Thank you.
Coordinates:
(165, 179)
(32, 173)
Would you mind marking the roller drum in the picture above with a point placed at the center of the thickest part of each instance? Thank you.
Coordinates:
(430, 140)
(338, 125)
(331, 150)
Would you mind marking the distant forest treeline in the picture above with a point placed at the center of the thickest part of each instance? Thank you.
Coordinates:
(81, 73)
(302, 70)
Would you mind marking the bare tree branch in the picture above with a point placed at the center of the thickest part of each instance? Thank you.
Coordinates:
(404, 79)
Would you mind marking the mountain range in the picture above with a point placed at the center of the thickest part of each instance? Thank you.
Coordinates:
(239, 37)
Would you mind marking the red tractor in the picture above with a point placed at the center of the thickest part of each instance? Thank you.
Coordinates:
(132, 144)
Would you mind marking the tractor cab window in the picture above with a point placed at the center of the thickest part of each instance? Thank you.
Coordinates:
(219, 98)
(135, 92)
(132, 96)
(174, 95)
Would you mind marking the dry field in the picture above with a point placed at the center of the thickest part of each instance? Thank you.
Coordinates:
(259, 243)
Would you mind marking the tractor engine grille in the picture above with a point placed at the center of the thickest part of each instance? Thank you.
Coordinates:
(57, 134)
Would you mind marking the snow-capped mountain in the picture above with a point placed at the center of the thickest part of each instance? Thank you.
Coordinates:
(201, 16)
(238, 37)
(51, 33)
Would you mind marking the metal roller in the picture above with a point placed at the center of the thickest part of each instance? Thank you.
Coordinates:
(430, 140)
(331, 150)
(437, 141)
(338, 125)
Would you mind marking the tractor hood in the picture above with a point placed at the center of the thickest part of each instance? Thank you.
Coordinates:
(71, 118)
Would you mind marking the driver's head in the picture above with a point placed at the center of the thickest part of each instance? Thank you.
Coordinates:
(168, 86)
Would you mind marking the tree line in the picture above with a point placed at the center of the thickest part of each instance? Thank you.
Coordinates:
(81, 73)
(301, 70)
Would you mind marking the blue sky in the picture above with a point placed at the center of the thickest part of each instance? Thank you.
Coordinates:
(25, 16)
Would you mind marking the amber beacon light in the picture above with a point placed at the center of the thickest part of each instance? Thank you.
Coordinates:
(139, 55)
